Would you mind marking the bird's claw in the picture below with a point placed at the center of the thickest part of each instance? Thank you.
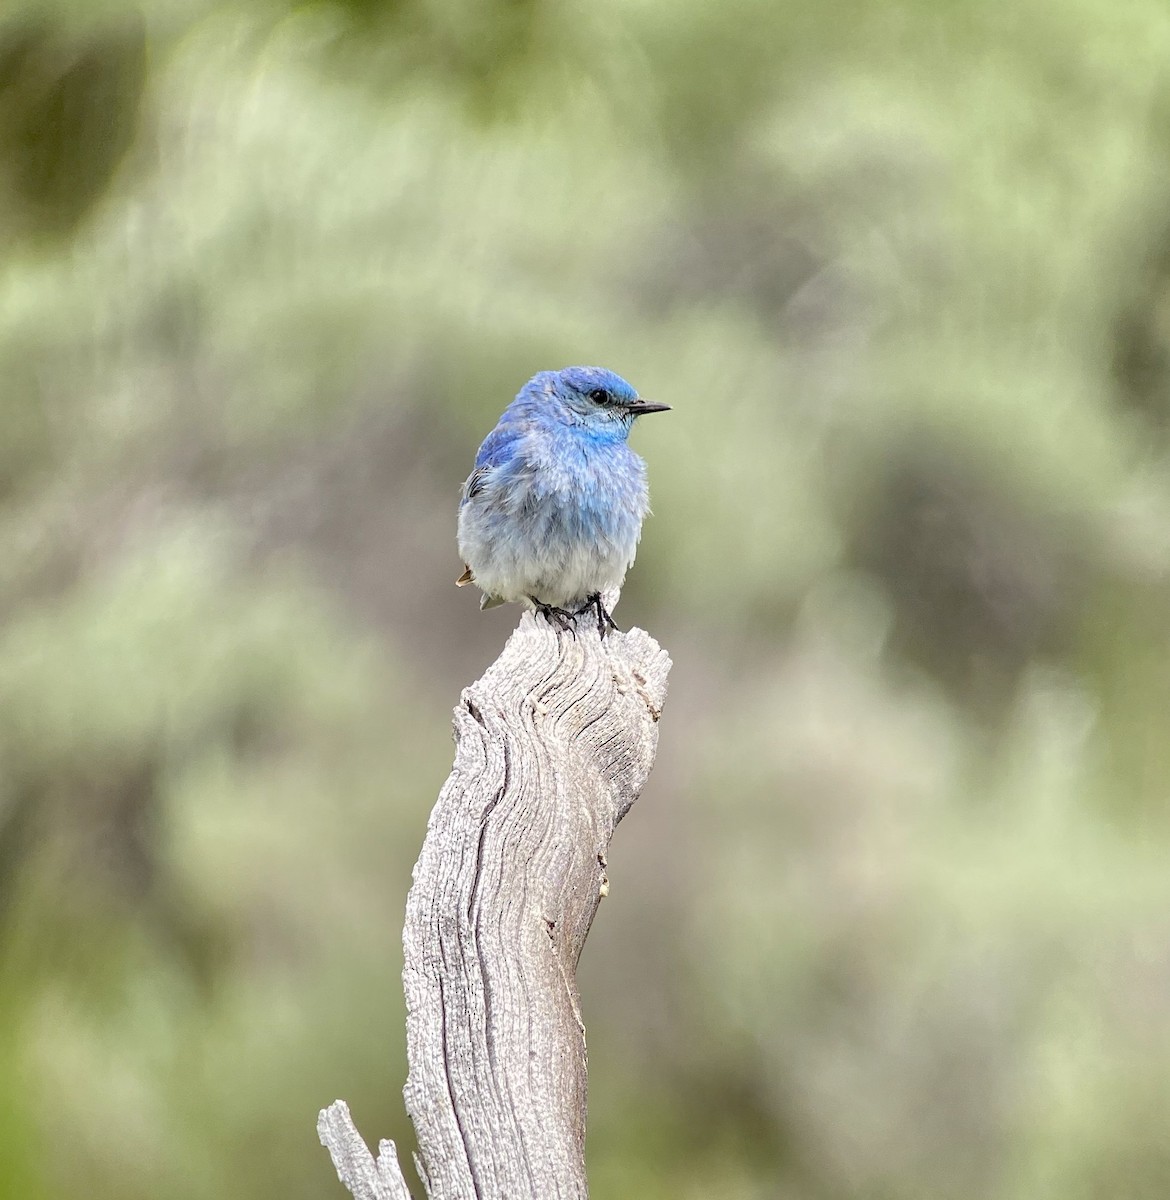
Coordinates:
(559, 618)
(604, 621)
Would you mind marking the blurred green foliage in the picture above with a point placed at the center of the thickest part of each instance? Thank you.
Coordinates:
(892, 917)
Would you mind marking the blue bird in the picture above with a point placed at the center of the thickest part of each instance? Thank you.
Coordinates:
(552, 512)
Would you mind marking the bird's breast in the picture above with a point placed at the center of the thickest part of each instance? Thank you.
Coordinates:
(594, 491)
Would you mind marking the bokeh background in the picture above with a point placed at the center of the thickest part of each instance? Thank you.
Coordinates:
(892, 919)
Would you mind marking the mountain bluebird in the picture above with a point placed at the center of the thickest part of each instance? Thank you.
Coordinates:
(552, 513)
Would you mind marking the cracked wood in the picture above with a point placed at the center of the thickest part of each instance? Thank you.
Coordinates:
(553, 745)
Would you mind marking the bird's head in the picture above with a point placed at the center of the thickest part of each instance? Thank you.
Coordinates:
(595, 398)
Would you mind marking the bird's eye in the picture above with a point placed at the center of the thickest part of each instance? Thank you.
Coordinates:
(600, 396)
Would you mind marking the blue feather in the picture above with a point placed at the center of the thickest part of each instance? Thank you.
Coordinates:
(553, 510)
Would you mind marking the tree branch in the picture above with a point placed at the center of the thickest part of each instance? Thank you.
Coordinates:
(553, 745)
(356, 1168)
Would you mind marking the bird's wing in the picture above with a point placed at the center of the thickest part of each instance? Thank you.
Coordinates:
(498, 448)
(475, 482)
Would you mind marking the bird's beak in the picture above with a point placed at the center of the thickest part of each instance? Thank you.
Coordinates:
(641, 407)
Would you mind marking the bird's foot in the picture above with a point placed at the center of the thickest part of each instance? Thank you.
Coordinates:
(604, 621)
(559, 618)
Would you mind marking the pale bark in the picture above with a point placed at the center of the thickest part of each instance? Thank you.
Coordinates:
(553, 745)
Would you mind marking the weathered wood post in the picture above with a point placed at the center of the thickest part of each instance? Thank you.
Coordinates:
(552, 746)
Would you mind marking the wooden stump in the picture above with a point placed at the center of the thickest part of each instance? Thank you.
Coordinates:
(553, 746)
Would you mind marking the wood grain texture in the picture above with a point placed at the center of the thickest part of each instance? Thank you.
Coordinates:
(366, 1178)
(553, 745)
